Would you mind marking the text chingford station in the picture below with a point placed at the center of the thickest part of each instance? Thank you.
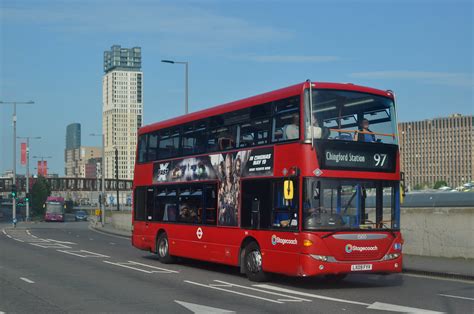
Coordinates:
(348, 157)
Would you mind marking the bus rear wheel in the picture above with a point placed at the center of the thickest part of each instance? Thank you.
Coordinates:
(253, 263)
(162, 249)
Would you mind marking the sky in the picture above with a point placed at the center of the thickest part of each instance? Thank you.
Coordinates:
(51, 52)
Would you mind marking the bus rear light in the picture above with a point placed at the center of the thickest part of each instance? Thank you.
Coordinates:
(320, 257)
(307, 243)
(391, 256)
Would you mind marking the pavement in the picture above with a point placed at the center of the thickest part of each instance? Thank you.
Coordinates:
(424, 265)
(67, 267)
(439, 266)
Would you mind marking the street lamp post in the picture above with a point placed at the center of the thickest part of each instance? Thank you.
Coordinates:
(28, 171)
(186, 80)
(102, 175)
(117, 177)
(14, 103)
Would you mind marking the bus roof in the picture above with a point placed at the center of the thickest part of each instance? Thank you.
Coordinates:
(55, 199)
(255, 100)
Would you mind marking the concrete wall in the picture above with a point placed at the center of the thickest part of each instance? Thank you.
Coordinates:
(120, 220)
(440, 232)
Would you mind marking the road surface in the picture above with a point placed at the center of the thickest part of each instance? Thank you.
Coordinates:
(66, 267)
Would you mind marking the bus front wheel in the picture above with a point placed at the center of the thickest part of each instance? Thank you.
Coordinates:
(253, 263)
(163, 249)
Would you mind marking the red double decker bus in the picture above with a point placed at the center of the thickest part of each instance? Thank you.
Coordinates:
(302, 181)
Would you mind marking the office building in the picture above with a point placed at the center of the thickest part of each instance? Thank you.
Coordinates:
(78, 158)
(73, 141)
(122, 108)
(73, 136)
(439, 149)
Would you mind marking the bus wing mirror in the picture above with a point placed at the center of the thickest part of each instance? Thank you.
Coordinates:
(288, 190)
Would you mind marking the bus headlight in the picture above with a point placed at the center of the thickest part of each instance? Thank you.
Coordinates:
(390, 256)
(320, 257)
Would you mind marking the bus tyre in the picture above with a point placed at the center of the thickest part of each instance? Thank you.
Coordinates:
(253, 263)
(163, 249)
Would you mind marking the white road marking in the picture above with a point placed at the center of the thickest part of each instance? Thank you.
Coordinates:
(125, 265)
(91, 239)
(80, 253)
(398, 308)
(310, 295)
(134, 265)
(264, 291)
(201, 309)
(48, 245)
(154, 267)
(18, 240)
(111, 243)
(234, 292)
(219, 285)
(2, 312)
(62, 242)
(4, 232)
(9, 236)
(93, 253)
(27, 280)
(456, 297)
(29, 233)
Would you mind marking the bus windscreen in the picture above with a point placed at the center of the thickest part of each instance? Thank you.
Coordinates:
(351, 116)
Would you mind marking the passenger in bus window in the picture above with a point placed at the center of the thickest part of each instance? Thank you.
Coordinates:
(364, 134)
(319, 132)
(292, 131)
(226, 141)
(187, 213)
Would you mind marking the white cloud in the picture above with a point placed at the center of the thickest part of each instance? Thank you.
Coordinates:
(292, 58)
(177, 27)
(440, 78)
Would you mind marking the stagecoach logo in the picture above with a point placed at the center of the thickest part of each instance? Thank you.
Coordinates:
(163, 172)
(276, 240)
(199, 233)
(353, 248)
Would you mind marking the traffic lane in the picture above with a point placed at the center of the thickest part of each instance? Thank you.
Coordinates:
(365, 288)
(71, 284)
(80, 234)
(76, 284)
(15, 299)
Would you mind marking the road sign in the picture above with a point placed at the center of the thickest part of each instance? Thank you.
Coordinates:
(97, 212)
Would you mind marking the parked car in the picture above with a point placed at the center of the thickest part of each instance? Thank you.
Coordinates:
(80, 215)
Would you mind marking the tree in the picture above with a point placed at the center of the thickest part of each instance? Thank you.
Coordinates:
(439, 184)
(40, 192)
(417, 187)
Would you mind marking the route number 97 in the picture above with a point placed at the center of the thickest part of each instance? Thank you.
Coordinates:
(380, 159)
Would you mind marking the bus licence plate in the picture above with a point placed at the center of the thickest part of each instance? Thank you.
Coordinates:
(361, 267)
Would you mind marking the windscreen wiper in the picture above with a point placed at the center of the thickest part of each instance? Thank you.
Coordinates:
(330, 234)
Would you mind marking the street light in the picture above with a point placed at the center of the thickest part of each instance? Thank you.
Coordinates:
(102, 174)
(185, 80)
(28, 171)
(14, 103)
